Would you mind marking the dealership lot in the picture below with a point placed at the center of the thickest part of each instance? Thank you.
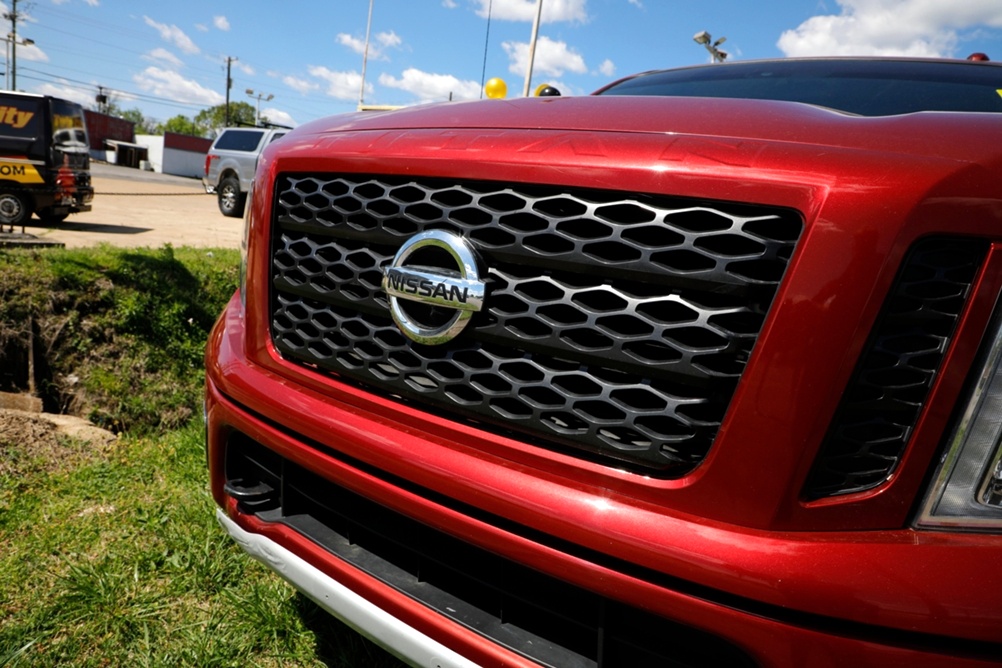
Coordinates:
(132, 208)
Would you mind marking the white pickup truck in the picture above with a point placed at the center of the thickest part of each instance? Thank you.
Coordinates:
(230, 165)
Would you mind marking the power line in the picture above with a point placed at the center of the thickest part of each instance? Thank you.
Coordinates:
(306, 106)
(87, 86)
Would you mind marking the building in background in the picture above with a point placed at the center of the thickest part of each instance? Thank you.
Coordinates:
(172, 153)
(113, 140)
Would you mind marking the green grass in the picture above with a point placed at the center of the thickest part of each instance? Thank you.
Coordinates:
(111, 555)
(115, 559)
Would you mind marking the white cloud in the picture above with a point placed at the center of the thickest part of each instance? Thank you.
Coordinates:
(389, 39)
(92, 3)
(221, 23)
(525, 10)
(245, 68)
(377, 51)
(927, 28)
(429, 87)
(201, 27)
(174, 35)
(32, 52)
(300, 85)
(278, 116)
(552, 58)
(355, 44)
(162, 55)
(171, 85)
(67, 92)
(449, 4)
(607, 68)
(340, 85)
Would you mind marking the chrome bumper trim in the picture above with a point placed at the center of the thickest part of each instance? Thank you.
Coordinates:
(397, 637)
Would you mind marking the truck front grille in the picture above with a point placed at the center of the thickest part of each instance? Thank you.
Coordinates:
(616, 324)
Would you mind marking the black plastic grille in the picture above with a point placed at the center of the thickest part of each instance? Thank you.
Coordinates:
(886, 396)
(616, 324)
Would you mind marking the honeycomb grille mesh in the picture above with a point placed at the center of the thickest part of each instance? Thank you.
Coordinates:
(615, 325)
(882, 403)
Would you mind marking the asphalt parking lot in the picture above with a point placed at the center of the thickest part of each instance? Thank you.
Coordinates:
(133, 209)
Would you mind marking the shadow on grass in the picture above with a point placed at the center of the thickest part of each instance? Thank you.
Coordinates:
(338, 645)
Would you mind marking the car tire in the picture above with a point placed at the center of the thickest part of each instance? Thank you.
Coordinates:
(15, 209)
(231, 200)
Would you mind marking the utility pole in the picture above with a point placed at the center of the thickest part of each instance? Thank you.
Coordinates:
(13, 16)
(102, 100)
(229, 85)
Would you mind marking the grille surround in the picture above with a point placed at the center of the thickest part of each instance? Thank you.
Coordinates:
(616, 325)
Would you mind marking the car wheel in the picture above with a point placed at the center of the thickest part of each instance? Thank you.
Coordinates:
(231, 200)
(15, 209)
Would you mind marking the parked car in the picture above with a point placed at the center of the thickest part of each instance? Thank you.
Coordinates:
(701, 370)
(230, 165)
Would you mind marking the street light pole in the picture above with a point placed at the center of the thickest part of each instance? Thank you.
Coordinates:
(10, 74)
(716, 54)
(532, 47)
(365, 58)
(268, 97)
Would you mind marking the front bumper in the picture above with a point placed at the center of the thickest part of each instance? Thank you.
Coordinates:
(779, 599)
(366, 618)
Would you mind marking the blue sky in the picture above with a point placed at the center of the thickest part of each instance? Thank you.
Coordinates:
(169, 58)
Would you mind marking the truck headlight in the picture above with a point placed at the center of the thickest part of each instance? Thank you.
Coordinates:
(966, 492)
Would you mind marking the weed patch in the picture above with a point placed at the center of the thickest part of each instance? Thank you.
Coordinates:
(114, 335)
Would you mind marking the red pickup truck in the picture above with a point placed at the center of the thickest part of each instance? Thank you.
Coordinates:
(700, 370)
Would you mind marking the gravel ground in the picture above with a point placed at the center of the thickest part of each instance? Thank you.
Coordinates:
(141, 209)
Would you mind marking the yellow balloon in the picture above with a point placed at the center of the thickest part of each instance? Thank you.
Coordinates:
(496, 88)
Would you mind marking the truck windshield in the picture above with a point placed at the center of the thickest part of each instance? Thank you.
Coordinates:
(862, 87)
(69, 133)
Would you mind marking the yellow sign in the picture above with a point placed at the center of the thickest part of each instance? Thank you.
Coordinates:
(22, 172)
(14, 117)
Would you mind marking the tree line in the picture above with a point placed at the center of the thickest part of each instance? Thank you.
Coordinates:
(203, 124)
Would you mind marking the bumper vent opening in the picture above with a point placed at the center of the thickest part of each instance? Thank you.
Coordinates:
(549, 621)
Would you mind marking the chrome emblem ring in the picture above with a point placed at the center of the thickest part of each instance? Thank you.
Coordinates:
(407, 280)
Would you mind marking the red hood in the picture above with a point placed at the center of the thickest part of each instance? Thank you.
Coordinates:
(960, 136)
